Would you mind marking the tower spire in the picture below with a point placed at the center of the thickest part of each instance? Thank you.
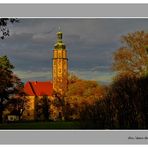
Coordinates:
(59, 44)
(59, 35)
(59, 28)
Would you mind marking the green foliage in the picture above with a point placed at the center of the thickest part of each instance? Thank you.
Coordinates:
(5, 76)
(5, 63)
(10, 86)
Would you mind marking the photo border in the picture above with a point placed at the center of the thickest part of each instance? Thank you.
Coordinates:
(74, 136)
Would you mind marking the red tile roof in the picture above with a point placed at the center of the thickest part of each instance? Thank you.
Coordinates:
(38, 88)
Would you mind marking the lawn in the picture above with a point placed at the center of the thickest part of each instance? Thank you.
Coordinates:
(42, 125)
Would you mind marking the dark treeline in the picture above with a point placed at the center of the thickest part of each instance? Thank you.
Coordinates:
(125, 106)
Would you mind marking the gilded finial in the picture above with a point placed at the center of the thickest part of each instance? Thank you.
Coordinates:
(59, 34)
(59, 44)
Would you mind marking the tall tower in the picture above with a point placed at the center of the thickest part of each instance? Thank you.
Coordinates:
(60, 65)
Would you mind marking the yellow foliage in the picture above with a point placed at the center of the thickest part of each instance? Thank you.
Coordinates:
(132, 58)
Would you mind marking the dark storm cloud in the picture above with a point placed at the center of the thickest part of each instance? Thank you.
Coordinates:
(90, 44)
(24, 52)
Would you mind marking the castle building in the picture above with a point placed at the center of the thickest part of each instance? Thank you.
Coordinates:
(36, 89)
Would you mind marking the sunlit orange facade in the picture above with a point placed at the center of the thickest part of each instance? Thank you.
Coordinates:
(60, 66)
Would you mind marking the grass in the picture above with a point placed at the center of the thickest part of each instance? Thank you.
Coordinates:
(42, 125)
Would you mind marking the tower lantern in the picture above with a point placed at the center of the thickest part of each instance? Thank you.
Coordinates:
(60, 65)
(59, 36)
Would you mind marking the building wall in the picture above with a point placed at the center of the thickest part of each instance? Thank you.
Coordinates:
(60, 70)
(30, 112)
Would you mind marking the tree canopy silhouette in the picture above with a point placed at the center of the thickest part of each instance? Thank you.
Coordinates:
(10, 85)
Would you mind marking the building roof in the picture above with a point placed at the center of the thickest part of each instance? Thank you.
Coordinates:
(38, 88)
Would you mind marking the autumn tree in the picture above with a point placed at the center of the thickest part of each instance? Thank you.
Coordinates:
(58, 106)
(132, 58)
(5, 83)
(10, 85)
(81, 93)
(84, 88)
(18, 102)
(127, 93)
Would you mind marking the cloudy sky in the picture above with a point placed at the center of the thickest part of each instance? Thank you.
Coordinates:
(90, 44)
